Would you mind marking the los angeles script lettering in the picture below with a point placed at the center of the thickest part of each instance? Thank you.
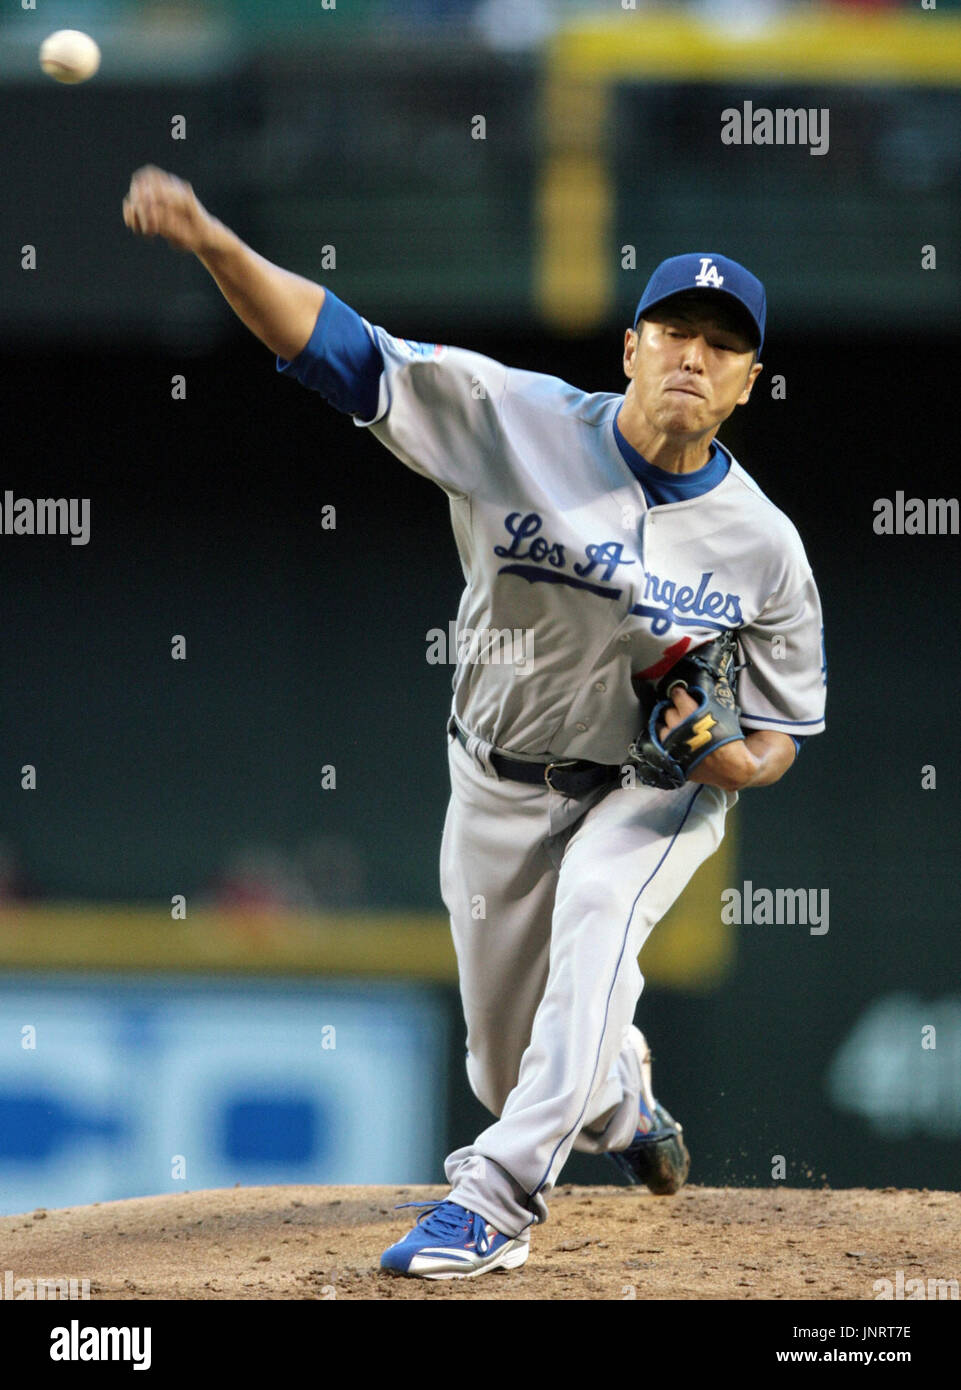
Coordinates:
(527, 544)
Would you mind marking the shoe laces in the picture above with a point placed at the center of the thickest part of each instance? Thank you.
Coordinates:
(449, 1221)
(656, 1132)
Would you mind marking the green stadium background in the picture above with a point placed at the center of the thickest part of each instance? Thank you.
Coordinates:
(263, 818)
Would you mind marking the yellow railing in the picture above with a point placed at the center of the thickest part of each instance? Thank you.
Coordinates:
(689, 949)
(906, 46)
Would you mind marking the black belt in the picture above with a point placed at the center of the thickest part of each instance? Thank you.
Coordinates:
(568, 776)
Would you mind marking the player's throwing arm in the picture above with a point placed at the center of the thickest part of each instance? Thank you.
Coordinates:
(280, 308)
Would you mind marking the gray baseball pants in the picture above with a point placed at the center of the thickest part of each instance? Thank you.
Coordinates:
(550, 901)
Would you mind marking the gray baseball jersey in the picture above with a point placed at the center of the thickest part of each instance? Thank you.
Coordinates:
(556, 540)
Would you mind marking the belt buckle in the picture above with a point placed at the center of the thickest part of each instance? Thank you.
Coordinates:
(568, 762)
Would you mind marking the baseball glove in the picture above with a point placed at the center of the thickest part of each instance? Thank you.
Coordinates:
(709, 674)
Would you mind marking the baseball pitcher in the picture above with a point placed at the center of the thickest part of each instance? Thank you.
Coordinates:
(671, 655)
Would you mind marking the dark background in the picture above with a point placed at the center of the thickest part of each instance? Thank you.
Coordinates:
(306, 646)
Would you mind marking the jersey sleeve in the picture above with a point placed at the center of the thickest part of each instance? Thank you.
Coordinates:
(783, 686)
(438, 409)
(341, 360)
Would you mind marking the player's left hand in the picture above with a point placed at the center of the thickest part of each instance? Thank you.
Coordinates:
(731, 767)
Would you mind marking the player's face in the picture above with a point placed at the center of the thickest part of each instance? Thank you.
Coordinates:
(689, 368)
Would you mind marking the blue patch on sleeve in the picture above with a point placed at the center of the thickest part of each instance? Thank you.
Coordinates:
(341, 361)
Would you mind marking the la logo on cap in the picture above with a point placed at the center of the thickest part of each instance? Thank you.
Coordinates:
(708, 275)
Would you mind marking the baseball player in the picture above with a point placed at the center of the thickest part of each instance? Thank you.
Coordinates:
(592, 770)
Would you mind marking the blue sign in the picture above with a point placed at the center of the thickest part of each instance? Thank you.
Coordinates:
(129, 1087)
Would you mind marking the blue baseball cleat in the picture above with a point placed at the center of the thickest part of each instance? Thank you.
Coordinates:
(657, 1157)
(450, 1242)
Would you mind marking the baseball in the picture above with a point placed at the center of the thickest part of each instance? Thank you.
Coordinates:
(69, 56)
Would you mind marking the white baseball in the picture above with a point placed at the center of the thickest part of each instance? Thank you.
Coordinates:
(69, 56)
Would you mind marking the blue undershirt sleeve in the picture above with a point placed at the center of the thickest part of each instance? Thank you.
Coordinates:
(341, 360)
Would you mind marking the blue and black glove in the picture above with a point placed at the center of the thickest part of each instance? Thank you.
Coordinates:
(709, 674)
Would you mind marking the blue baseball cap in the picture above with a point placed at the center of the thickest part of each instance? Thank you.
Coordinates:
(713, 274)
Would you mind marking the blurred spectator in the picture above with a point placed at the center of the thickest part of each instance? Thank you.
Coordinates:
(507, 26)
(741, 16)
(262, 878)
(335, 870)
(327, 874)
(14, 886)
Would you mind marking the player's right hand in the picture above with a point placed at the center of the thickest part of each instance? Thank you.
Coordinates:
(731, 767)
(160, 204)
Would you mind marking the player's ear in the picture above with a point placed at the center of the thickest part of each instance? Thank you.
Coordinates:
(630, 348)
(752, 377)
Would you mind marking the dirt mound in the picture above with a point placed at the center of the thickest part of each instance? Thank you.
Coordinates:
(600, 1243)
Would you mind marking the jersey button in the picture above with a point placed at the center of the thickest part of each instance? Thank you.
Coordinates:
(599, 685)
(581, 728)
(624, 637)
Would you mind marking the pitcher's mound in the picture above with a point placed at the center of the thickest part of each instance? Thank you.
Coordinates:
(600, 1242)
